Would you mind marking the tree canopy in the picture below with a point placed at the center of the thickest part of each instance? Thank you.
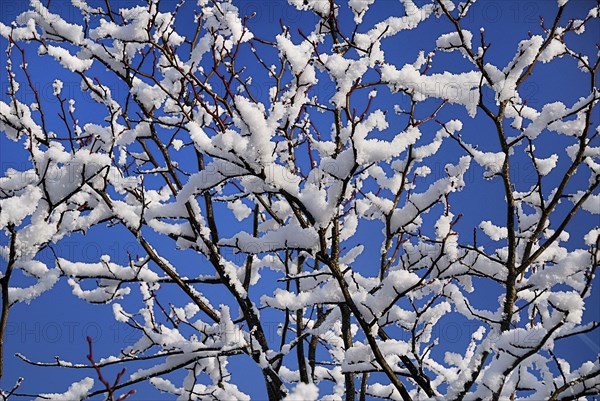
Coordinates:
(313, 197)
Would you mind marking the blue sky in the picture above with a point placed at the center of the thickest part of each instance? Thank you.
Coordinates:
(57, 323)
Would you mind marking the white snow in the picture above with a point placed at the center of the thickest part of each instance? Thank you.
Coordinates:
(57, 86)
(452, 41)
(239, 209)
(545, 166)
(14, 209)
(494, 232)
(77, 391)
(66, 59)
(177, 144)
(304, 392)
